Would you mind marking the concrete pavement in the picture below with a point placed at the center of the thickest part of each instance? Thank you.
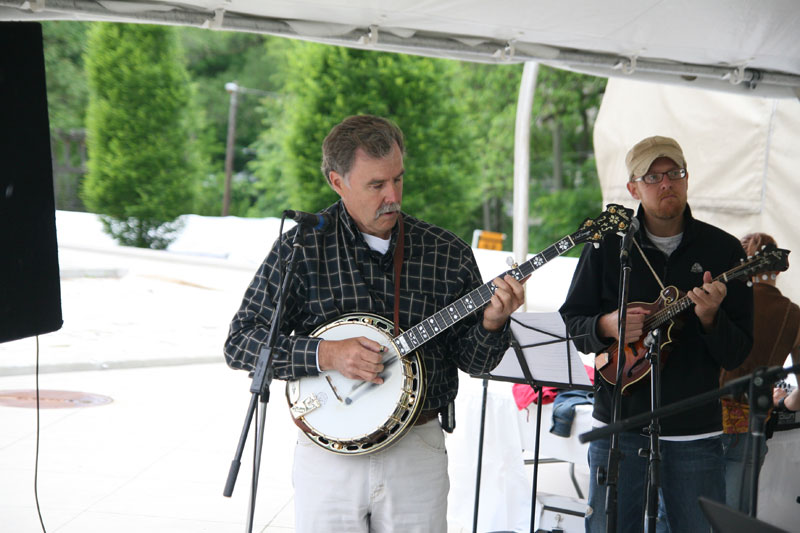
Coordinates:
(145, 329)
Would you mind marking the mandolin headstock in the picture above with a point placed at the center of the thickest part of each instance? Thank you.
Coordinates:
(615, 219)
(769, 258)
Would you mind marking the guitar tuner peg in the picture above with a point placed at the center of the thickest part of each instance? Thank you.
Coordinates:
(749, 283)
(596, 245)
(764, 277)
(773, 276)
(510, 262)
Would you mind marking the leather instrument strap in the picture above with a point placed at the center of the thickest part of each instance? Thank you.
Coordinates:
(398, 267)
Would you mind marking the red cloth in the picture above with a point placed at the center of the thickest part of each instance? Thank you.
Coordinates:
(524, 395)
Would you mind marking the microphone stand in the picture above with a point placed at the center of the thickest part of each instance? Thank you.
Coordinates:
(262, 377)
(733, 387)
(760, 399)
(653, 343)
(610, 476)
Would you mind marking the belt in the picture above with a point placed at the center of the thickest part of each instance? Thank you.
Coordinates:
(426, 416)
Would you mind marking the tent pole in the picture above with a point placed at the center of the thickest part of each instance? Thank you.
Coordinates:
(522, 145)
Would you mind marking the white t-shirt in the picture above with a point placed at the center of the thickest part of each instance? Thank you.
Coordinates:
(376, 243)
(665, 244)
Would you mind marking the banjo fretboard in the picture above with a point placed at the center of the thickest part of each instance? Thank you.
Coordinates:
(418, 335)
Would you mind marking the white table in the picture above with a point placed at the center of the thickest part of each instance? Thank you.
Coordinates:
(505, 496)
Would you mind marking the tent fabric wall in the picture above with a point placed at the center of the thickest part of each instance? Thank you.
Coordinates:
(741, 153)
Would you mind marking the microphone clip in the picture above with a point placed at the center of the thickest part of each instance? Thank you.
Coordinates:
(320, 222)
(627, 238)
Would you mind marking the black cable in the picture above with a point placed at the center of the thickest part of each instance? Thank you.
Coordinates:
(36, 464)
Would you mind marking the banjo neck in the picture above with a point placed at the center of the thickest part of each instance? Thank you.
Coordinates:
(442, 320)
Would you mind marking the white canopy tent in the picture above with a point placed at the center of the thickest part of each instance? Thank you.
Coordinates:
(737, 45)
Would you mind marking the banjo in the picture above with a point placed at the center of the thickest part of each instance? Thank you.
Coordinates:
(355, 417)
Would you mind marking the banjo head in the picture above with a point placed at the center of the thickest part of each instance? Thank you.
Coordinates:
(351, 416)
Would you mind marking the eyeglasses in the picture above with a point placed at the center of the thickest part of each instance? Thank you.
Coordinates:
(656, 177)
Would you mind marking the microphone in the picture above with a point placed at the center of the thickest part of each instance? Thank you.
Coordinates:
(627, 239)
(319, 222)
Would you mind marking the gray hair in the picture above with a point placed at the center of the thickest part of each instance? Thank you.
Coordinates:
(375, 135)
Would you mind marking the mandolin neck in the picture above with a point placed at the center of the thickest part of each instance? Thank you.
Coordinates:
(683, 303)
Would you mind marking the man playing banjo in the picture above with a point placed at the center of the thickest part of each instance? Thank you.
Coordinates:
(349, 269)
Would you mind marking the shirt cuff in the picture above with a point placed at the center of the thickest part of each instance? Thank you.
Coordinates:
(304, 356)
(597, 342)
(494, 338)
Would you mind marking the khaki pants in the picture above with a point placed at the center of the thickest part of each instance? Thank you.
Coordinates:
(401, 489)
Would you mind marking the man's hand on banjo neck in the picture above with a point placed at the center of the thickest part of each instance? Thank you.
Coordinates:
(507, 298)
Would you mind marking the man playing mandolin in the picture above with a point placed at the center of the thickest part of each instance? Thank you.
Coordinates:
(349, 269)
(675, 253)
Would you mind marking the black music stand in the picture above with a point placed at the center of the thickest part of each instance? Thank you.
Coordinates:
(541, 354)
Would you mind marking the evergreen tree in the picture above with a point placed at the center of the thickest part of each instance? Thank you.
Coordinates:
(64, 42)
(142, 159)
(327, 84)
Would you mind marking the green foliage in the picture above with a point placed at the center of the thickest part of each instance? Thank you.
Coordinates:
(67, 97)
(566, 105)
(488, 97)
(560, 213)
(254, 62)
(562, 158)
(458, 117)
(67, 91)
(142, 157)
(327, 84)
(566, 189)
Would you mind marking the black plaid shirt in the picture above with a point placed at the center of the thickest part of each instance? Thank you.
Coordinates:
(340, 274)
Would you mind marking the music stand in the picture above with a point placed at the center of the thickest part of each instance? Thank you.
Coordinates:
(541, 354)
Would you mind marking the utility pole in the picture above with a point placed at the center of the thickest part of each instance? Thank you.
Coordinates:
(233, 90)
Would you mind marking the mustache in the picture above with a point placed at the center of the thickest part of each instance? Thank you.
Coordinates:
(388, 208)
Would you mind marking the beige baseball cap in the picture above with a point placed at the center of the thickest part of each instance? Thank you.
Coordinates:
(642, 155)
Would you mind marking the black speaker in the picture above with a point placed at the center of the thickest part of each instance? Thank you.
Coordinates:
(30, 290)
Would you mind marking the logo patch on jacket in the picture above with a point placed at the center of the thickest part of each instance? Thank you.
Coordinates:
(697, 268)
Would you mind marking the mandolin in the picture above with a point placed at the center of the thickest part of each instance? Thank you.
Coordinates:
(669, 304)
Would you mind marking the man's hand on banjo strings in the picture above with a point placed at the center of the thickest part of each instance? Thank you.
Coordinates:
(356, 358)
